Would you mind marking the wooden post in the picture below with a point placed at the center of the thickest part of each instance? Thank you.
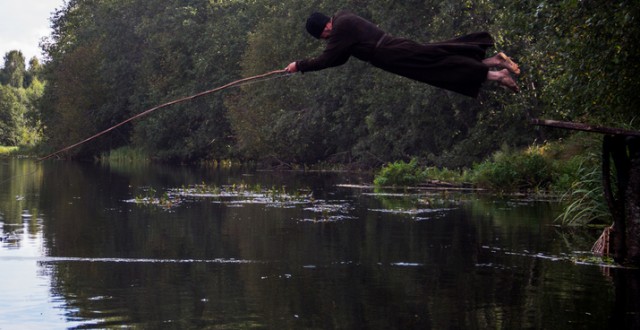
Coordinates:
(633, 202)
(613, 147)
(623, 147)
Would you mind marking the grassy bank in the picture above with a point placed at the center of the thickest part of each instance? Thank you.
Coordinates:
(568, 170)
(7, 150)
(125, 155)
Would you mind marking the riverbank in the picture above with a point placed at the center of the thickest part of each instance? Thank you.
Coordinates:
(568, 169)
(4, 151)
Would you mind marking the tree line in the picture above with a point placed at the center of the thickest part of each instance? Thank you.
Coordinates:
(109, 60)
(20, 91)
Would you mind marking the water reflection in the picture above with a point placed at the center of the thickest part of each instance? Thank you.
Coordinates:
(83, 247)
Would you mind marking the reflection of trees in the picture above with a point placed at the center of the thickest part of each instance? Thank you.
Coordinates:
(87, 218)
(20, 181)
(305, 275)
(343, 274)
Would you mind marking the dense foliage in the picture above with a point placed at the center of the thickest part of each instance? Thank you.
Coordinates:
(20, 92)
(108, 60)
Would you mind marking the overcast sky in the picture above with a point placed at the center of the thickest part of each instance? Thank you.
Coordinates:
(23, 23)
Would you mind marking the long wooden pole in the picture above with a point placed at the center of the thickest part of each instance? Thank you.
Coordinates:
(146, 112)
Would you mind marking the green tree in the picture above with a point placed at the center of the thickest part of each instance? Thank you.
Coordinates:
(19, 101)
(13, 72)
(74, 103)
(356, 112)
(580, 57)
(109, 60)
(190, 47)
(33, 73)
(90, 73)
(12, 115)
(31, 131)
(128, 56)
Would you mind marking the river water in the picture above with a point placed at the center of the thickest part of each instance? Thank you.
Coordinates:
(100, 246)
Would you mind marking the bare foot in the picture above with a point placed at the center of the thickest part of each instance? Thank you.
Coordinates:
(507, 63)
(505, 80)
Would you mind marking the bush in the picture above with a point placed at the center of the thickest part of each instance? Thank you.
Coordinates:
(447, 175)
(566, 174)
(399, 173)
(125, 155)
(7, 150)
(513, 171)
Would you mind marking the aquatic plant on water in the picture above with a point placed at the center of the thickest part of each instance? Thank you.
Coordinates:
(165, 200)
(229, 193)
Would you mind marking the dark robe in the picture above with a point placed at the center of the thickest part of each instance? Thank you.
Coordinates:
(454, 64)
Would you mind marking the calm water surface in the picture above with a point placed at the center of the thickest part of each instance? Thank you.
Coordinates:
(94, 246)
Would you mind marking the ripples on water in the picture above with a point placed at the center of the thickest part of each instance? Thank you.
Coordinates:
(85, 246)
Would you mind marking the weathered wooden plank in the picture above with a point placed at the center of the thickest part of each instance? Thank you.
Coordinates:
(583, 127)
